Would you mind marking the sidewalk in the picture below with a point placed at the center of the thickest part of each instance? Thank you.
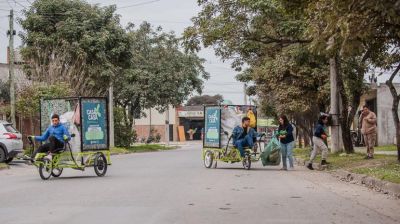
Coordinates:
(364, 150)
(185, 143)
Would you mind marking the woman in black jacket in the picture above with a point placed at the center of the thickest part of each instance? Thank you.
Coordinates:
(285, 135)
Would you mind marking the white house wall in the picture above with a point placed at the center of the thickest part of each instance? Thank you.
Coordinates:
(157, 118)
(386, 129)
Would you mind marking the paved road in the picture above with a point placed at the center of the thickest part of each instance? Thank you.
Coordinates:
(174, 187)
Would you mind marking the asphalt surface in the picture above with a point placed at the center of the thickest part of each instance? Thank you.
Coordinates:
(174, 187)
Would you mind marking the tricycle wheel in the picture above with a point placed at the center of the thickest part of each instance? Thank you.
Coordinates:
(57, 172)
(45, 169)
(100, 164)
(247, 162)
(208, 159)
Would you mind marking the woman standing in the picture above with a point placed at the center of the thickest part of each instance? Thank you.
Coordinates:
(285, 135)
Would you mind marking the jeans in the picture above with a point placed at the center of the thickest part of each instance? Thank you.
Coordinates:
(287, 153)
(244, 142)
(52, 145)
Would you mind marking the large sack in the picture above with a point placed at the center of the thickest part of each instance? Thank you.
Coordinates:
(271, 156)
(253, 121)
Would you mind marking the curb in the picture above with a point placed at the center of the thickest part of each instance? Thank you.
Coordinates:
(360, 179)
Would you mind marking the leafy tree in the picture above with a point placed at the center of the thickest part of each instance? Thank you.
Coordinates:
(28, 97)
(205, 100)
(74, 42)
(160, 73)
(287, 53)
(366, 29)
(4, 92)
(272, 42)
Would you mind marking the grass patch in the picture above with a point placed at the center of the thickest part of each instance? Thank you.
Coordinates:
(141, 148)
(389, 171)
(3, 165)
(384, 167)
(386, 148)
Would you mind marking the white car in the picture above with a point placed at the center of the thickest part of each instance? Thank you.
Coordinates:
(10, 142)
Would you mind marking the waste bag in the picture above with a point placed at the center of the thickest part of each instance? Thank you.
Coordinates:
(271, 156)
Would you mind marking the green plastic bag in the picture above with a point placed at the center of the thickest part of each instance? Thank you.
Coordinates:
(271, 156)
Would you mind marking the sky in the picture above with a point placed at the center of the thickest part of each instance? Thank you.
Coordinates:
(172, 15)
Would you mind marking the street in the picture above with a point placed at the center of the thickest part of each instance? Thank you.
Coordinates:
(174, 187)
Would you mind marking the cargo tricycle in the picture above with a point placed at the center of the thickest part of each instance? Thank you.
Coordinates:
(86, 119)
(217, 141)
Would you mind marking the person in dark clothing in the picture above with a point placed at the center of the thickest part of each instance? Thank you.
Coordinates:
(243, 136)
(320, 141)
(285, 135)
(56, 134)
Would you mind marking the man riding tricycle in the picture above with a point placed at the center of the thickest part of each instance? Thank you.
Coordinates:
(230, 136)
(76, 138)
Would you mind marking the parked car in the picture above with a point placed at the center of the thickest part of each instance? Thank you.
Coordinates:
(10, 142)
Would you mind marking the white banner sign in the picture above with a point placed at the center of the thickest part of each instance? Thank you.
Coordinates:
(191, 113)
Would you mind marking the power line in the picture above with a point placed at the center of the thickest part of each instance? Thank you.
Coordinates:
(19, 4)
(138, 4)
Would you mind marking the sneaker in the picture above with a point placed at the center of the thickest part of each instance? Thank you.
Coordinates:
(309, 166)
(324, 162)
(284, 168)
(291, 168)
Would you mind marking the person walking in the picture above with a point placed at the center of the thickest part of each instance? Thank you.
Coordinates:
(320, 142)
(368, 130)
(285, 136)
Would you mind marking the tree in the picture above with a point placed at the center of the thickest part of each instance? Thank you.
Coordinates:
(366, 31)
(205, 100)
(273, 38)
(273, 43)
(28, 98)
(4, 92)
(160, 74)
(74, 42)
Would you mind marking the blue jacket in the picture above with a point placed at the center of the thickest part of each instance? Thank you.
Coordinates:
(238, 131)
(57, 131)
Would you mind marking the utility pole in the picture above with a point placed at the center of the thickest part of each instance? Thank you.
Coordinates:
(111, 113)
(244, 93)
(11, 34)
(335, 135)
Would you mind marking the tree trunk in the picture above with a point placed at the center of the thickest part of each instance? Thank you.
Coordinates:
(395, 108)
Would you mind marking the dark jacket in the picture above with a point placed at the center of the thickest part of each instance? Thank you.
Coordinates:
(319, 131)
(289, 133)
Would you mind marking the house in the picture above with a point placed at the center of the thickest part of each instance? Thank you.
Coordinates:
(379, 99)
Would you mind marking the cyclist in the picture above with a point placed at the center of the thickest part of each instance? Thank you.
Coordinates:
(56, 134)
(243, 136)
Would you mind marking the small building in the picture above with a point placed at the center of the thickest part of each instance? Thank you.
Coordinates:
(379, 99)
(157, 121)
(191, 118)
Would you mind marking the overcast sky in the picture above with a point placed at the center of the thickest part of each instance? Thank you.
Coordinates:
(172, 15)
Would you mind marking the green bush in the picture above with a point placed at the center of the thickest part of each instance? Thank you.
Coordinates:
(125, 136)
